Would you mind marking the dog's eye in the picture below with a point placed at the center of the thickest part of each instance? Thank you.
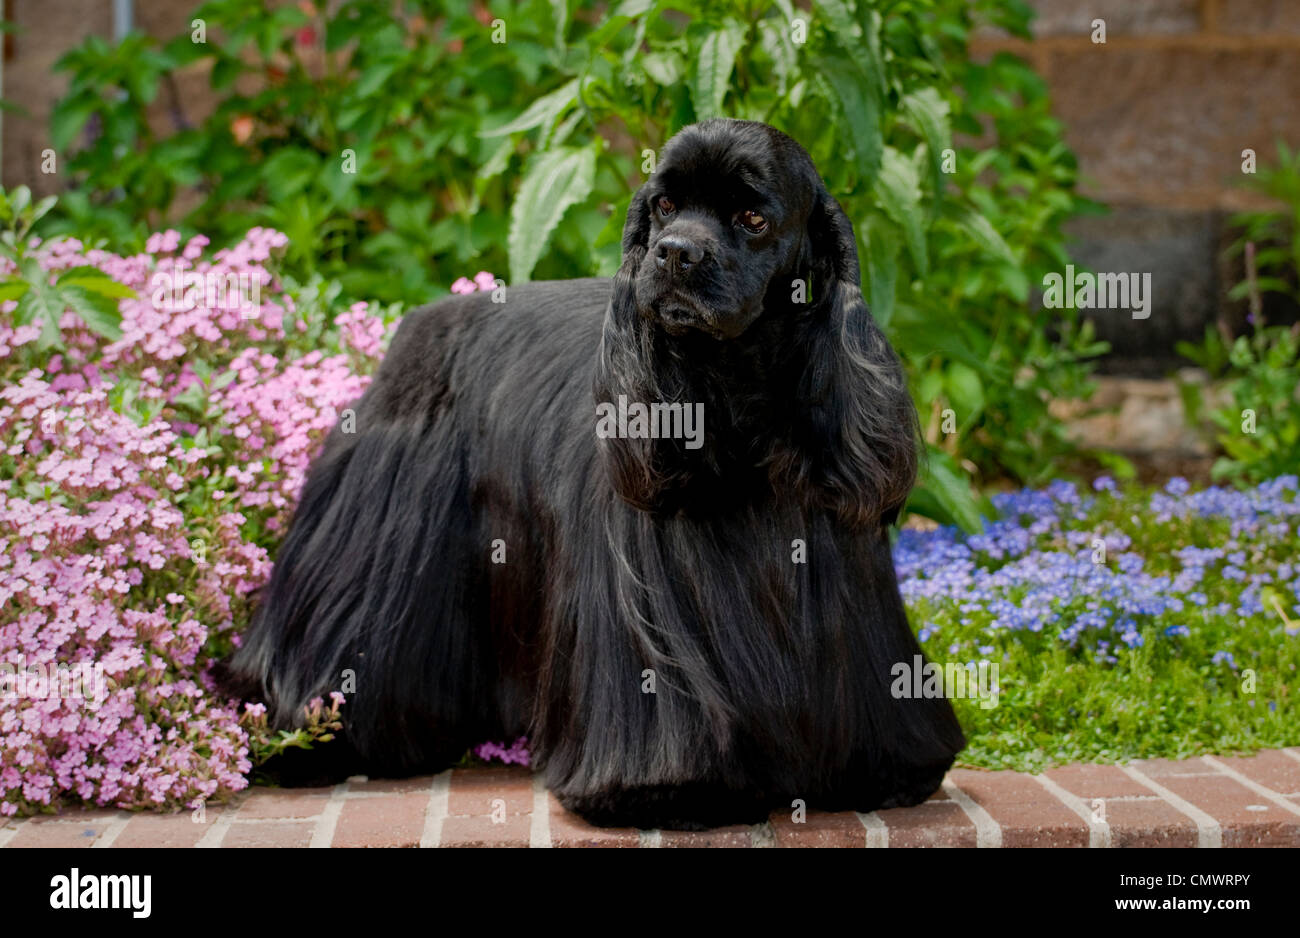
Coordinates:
(753, 221)
(666, 206)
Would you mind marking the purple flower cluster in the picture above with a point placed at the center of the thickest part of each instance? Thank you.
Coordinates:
(516, 753)
(1106, 568)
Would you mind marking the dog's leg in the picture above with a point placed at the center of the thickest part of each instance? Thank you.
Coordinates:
(376, 593)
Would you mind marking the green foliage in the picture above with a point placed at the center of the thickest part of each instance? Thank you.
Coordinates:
(87, 291)
(522, 154)
(1258, 426)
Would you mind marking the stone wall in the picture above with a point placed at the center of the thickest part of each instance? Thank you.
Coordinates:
(1158, 115)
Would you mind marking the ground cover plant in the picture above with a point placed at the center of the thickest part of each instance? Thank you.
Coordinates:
(1124, 623)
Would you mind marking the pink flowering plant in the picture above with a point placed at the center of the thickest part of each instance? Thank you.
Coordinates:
(153, 439)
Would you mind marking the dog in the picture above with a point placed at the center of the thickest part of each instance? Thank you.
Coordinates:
(692, 628)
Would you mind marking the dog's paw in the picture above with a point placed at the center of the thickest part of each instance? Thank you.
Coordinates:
(689, 807)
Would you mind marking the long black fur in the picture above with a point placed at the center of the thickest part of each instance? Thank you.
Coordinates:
(624, 556)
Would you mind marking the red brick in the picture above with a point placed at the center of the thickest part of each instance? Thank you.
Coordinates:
(1149, 128)
(166, 830)
(569, 830)
(481, 832)
(474, 790)
(940, 823)
(269, 834)
(395, 820)
(819, 829)
(1164, 768)
(422, 783)
(1145, 822)
(1262, 17)
(1030, 815)
(1227, 801)
(1270, 768)
(1096, 781)
(1150, 823)
(735, 835)
(1123, 17)
(284, 803)
(73, 829)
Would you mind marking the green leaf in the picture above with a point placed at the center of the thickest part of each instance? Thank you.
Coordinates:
(713, 72)
(898, 188)
(13, 289)
(67, 119)
(42, 208)
(542, 111)
(986, 236)
(560, 13)
(858, 99)
(41, 304)
(99, 312)
(966, 392)
(927, 112)
(840, 22)
(553, 182)
(288, 172)
(945, 495)
(882, 268)
(94, 280)
(495, 164)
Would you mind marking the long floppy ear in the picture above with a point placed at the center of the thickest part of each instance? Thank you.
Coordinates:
(863, 429)
(625, 368)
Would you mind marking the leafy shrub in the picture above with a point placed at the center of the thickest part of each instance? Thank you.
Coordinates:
(521, 155)
(1258, 425)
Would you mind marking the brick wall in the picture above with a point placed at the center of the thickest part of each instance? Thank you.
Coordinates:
(1158, 115)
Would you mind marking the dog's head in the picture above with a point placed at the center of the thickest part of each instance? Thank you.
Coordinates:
(732, 212)
(740, 288)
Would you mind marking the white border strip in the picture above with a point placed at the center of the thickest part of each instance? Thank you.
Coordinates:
(877, 830)
(328, 822)
(436, 812)
(1208, 831)
(1098, 831)
(539, 834)
(216, 831)
(988, 833)
(112, 831)
(1264, 791)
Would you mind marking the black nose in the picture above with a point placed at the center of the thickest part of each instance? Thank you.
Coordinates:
(677, 254)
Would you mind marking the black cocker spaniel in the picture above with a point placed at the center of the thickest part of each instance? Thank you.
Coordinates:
(641, 521)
